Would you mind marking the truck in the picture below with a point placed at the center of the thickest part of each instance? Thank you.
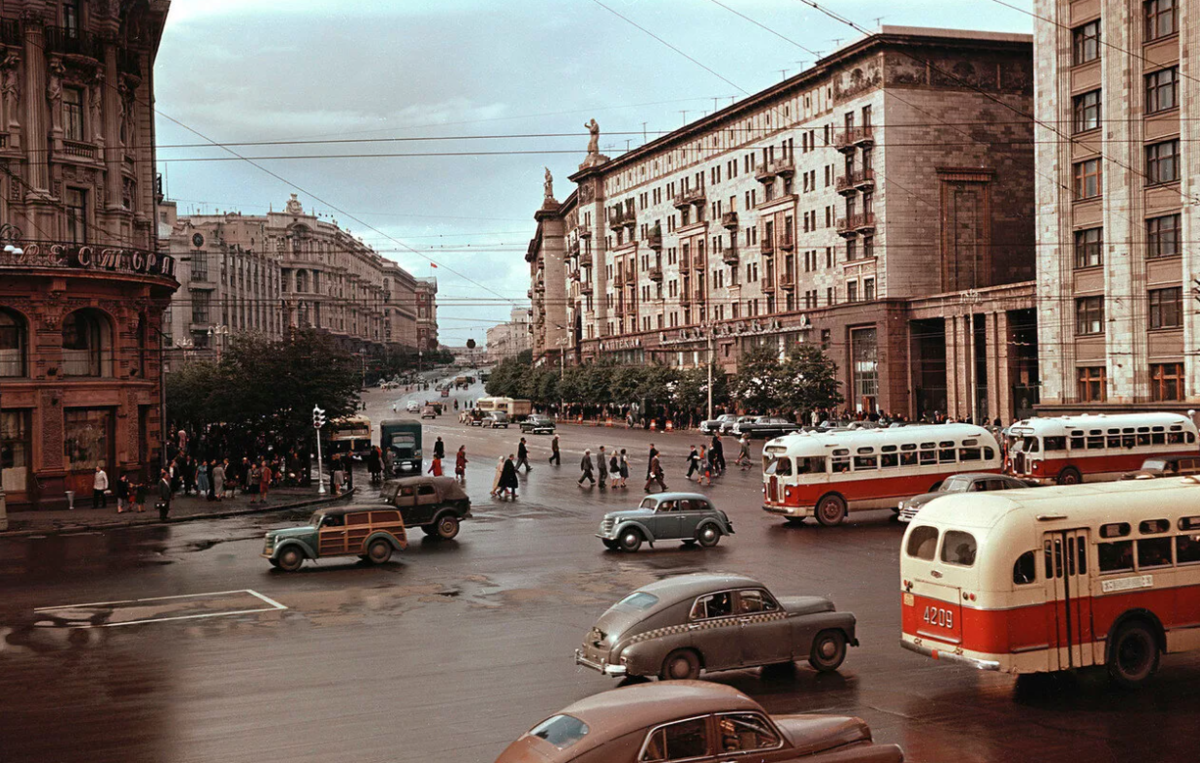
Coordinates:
(517, 410)
(401, 440)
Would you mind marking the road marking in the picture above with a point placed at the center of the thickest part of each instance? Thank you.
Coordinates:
(73, 611)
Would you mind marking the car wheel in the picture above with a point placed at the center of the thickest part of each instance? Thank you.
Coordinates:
(1132, 655)
(447, 526)
(379, 551)
(1069, 476)
(680, 665)
(708, 536)
(611, 545)
(828, 651)
(290, 559)
(831, 510)
(631, 540)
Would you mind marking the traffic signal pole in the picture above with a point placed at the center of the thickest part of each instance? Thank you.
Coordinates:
(318, 422)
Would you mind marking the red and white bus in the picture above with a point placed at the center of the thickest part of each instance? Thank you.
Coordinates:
(828, 474)
(1028, 581)
(1073, 449)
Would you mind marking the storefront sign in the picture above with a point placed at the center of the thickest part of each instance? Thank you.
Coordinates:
(86, 257)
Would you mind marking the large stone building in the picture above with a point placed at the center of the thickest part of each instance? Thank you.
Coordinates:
(82, 288)
(266, 273)
(1118, 203)
(507, 340)
(878, 204)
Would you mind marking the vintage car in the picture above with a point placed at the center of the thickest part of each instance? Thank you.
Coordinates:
(693, 721)
(689, 517)
(970, 482)
(370, 533)
(538, 424)
(429, 412)
(727, 427)
(764, 426)
(678, 626)
(712, 426)
(495, 420)
(1165, 466)
(435, 504)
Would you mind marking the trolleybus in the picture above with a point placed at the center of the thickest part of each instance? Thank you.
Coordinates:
(828, 474)
(1027, 581)
(1073, 449)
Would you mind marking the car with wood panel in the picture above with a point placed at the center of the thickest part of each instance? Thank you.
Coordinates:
(689, 517)
(694, 721)
(370, 533)
(437, 505)
(677, 627)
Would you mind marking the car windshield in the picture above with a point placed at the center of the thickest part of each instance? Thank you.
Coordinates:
(648, 503)
(956, 485)
(315, 520)
(562, 731)
(638, 600)
(1154, 464)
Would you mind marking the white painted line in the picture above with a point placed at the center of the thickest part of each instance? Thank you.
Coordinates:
(270, 601)
(179, 617)
(139, 601)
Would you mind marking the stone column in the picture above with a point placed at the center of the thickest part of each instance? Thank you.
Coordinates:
(952, 375)
(1003, 365)
(554, 275)
(114, 156)
(35, 106)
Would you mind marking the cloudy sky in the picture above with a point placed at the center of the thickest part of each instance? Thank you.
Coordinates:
(423, 125)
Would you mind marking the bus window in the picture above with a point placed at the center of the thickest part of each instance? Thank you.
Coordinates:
(928, 456)
(862, 463)
(988, 454)
(1191, 438)
(1114, 438)
(958, 548)
(1158, 438)
(889, 459)
(922, 543)
(1095, 440)
(1077, 441)
(971, 454)
(1143, 437)
(908, 446)
(840, 461)
(1116, 556)
(1054, 443)
(810, 465)
(780, 466)
(1154, 552)
(1030, 444)
(1025, 568)
(1187, 549)
(1174, 438)
(1114, 530)
(946, 452)
(1153, 526)
(908, 458)
(1189, 523)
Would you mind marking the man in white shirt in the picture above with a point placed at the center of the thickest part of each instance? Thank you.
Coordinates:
(99, 485)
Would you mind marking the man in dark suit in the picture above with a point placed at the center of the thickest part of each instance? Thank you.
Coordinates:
(164, 496)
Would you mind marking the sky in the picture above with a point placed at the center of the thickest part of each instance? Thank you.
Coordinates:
(387, 76)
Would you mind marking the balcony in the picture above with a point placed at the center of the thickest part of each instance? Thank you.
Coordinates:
(847, 227)
(585, 231)
(655, 273)
(850, 137)
(72, 42)
(619, 310)
(585, 259)
(729, 220)
(850, 182)
(685, 297)
(786, 242)
(864, 180)
(79, 150)
(764, 173)
(654, 238)
(768, 287)
(586, 287)
(618, 218)
(865, 223)
(690, 196)
(730, 256)
(619, 280)
(784, 167)
(766, 246)
(573, 247)
(574, 274)
(129, 61)
(787, 281)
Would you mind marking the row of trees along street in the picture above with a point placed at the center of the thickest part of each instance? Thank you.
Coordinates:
(803, 381)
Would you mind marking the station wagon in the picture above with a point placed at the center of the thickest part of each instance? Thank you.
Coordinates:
(689, 517)
(371, 534)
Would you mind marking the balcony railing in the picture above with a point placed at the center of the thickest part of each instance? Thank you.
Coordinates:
(619, 280)
(79, 150)
(618, 218)
(585, 259)
(72, 42)
(685, 297)
(766, 246)
(690, 196)
(764, 172)
(730, 256)
(586, 287)
(585, 231)
(787, 281)
(850, 137)
(784, 167)
(865, 223)
(10, 32)
(729, 220)
(655, 273)
(786, 242)
(848, 183)
(573, 247)
(847, 227)
(654, 238)
(864, 179)
(768, 286)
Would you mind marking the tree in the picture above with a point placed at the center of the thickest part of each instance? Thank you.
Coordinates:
(809, 380)
(758, 381)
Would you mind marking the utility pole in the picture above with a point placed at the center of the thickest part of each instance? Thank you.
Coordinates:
(710, 378)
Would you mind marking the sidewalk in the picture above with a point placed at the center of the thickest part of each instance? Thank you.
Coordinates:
(183, 509)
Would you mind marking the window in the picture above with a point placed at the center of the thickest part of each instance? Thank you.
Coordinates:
(1166, 382)
(745, 732)
(1187, 549)
(16, 449)
(1089, 316)
(87, 438)
(1089, 247)
(76, 204)
(1154, 552)
(1162, 162)
(677, 741)
(755, 601)
(1116, 556)
(1025, 569)
(1161, 19)
(1092, 386)
(1166, 308)
(1088, 179)
(1162, 90)
(922, 542)
(72, 113)
(713, 605)
(70, 17)
(12, 344)
(868, 289)
(865, 359)
(958, 547)
(1086, 41)
(86, 338)
(810, 465)
(1087, 111)
(1163, 236)
(852, 291)
(562, 731)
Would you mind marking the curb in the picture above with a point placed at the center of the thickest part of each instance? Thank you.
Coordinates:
(69, 529)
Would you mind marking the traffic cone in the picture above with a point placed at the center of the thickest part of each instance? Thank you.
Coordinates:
(670, 426)
(653, 425)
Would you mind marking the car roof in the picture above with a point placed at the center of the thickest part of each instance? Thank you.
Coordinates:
(677, 497)
(340, 511)
(625, 710)
(682, 587)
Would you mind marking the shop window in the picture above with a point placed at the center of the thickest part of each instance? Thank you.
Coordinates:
(13, 331)
(87, 344)
(16, 448)
(1166, 382)
(1092, 384)
(87, 438)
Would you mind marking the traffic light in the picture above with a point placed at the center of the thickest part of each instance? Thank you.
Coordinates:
(318, 417)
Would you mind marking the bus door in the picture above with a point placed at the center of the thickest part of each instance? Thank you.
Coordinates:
(1068, 592)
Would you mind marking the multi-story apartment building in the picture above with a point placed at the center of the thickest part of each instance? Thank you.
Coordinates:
(1118, 202)
(286, 269)
(82, 287)
(507, 340)
(878, 204)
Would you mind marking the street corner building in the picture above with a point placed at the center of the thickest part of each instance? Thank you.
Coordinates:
(878, 205)
(82, 286)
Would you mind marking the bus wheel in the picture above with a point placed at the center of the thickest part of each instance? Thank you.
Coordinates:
(1069, 476)
(1132, 655)
(831, 510)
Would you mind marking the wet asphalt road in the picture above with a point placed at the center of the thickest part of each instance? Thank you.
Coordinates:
(454, 649)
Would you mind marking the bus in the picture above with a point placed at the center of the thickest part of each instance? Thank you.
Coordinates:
(1034, 581)
(516, 409)
(827, 474)
(351, 435)
(1073, 449)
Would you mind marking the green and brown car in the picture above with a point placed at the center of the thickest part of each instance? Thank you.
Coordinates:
(371, 534)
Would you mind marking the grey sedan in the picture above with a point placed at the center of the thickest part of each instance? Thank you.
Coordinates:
(688, 517)
(973, 482)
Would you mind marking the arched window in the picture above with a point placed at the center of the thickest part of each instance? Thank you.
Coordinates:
(87, 344)
(12, 343)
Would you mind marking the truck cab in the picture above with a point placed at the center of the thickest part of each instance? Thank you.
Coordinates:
(401, 439)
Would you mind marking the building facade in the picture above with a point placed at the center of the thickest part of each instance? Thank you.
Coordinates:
(427, 325)
(507, 340)
(82, 287)
(1118, 203)
(878, 204)
(268, 273)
